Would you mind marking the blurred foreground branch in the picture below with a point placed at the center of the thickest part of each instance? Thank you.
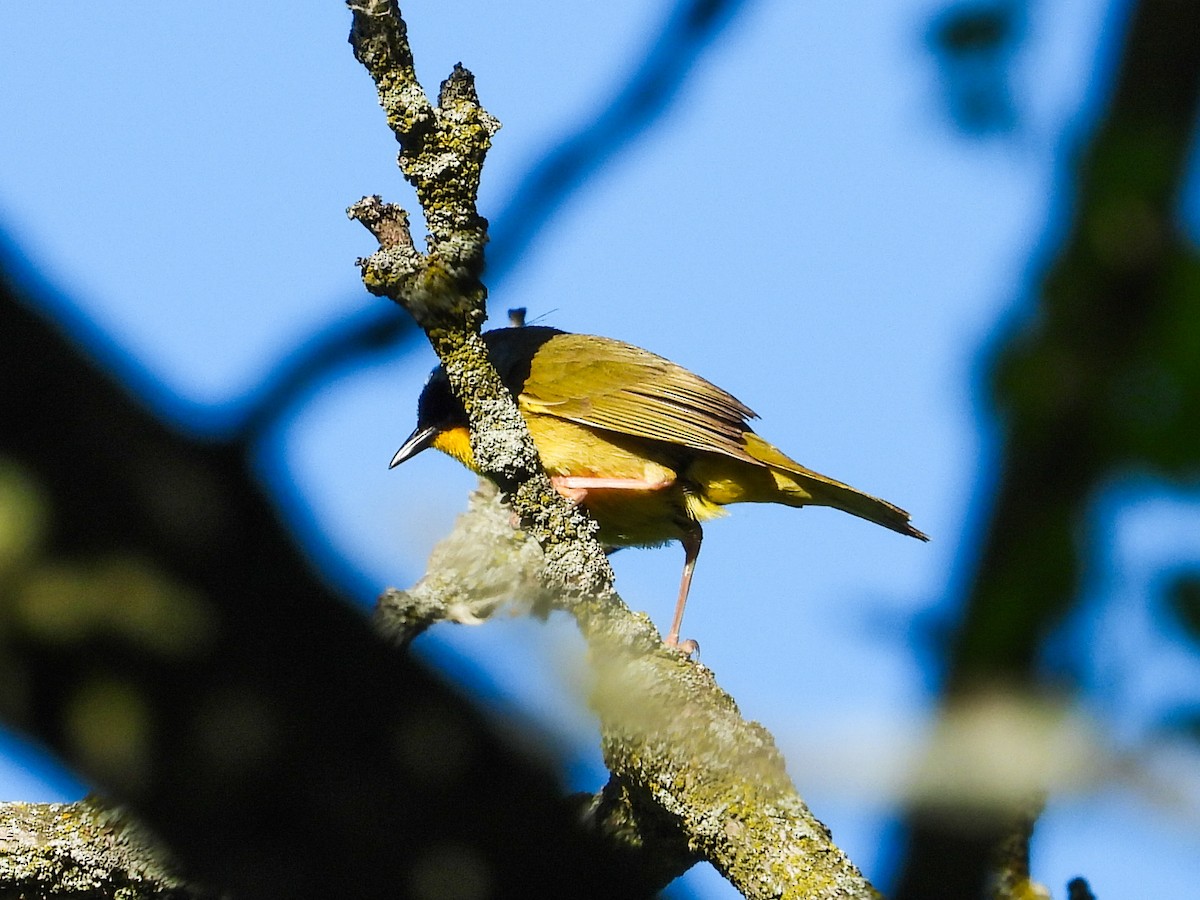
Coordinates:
(1100, 379)
(163, 636)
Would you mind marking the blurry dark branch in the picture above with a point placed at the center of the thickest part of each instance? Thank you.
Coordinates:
(691, 29)
(161, 634)
(340, 345)
(1011, 876)
(1100, 378)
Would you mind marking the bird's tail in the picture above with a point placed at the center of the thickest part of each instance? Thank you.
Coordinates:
(799, 486)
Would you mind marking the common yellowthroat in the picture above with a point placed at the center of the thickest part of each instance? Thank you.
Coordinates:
(649, 448)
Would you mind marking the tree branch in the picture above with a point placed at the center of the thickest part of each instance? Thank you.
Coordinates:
(85, 850)
(1093, 383)
(683, 758)
(691, 779)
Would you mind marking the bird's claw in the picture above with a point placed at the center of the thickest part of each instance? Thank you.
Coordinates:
(687, 648)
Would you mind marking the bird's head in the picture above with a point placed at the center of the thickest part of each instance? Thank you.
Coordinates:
(442, 421)
(441, 424)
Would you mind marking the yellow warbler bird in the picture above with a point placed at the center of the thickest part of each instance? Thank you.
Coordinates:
(649, 448)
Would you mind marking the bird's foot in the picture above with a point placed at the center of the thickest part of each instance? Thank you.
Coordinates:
(686, 647)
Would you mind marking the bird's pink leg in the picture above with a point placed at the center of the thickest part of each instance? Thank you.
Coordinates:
(575, 488)
(691, 550)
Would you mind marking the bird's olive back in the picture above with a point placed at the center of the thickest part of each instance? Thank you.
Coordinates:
(512, 351)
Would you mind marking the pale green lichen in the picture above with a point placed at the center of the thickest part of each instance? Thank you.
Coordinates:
(83, 849)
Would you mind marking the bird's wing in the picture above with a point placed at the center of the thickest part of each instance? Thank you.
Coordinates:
(612, 385)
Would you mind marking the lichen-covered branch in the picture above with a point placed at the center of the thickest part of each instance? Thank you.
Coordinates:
(442, 148)
(442, 153)
(84, 849)
(690, 776)
(691, 779)
(683, 753)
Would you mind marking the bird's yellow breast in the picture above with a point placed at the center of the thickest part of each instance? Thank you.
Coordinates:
(636, 517)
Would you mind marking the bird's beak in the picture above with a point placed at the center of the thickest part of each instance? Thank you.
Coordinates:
(420, 439)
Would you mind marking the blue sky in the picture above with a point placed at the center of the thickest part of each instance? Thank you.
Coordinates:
(805, 228)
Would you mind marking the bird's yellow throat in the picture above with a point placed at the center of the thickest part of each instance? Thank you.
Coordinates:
(456, 442)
